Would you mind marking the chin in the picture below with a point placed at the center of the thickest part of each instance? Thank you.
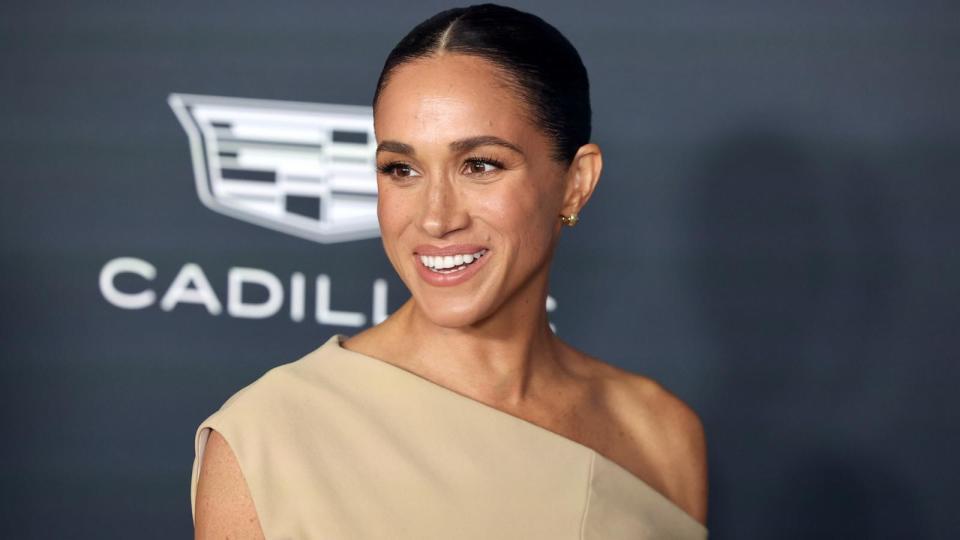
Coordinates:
(447, 316)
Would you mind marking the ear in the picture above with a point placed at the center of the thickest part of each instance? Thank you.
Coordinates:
(581, 178)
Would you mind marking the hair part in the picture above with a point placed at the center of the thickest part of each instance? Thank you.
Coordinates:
(533, 58)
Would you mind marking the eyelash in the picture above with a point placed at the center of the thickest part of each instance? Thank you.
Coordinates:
(390, 168)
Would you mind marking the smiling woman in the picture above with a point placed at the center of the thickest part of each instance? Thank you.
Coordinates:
(460, 162)
(462, 415)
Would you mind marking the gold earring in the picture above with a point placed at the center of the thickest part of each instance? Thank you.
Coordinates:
(570, 220)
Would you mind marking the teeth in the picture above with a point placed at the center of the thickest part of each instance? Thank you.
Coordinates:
(445, 262)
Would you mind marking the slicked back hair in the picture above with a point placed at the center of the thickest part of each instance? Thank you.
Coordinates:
(535, 59)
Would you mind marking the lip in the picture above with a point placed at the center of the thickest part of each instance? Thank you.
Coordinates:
(455, 249)
(456, 278)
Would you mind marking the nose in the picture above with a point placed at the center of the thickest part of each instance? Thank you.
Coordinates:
(442, 210)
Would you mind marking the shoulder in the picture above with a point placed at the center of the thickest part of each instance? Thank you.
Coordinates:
(645, 399)
(224, 507)
(653, 413)
(284, 384)
(659, 437)
(242, 446)
(666, 412)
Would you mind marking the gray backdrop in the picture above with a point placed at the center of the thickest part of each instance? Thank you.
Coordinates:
(774, 238)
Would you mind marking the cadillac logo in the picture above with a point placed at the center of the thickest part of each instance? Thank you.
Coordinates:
(305, 169)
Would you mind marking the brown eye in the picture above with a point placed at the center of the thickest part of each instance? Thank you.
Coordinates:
(397, 170)
(482, 166)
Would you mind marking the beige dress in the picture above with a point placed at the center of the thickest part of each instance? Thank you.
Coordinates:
(341, 445)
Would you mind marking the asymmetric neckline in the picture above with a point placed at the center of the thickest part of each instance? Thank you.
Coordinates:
(439, 389)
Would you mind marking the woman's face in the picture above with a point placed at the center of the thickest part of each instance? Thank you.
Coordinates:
(463, 172)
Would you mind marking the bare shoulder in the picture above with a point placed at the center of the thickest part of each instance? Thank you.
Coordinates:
(679, 442)
(224, 507)
(660, 437)
(679, 424)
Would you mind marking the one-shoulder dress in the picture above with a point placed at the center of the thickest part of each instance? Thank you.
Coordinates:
(342, 445)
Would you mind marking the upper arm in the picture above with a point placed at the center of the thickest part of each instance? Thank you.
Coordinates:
(224, 507)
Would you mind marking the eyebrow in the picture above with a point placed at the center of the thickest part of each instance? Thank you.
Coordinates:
(461, 145)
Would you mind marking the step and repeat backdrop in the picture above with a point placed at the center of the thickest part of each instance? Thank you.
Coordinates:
(188, 199)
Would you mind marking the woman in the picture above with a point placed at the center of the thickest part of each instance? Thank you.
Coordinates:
(462, 415)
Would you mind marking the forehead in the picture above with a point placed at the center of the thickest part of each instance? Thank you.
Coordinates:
(448, 97)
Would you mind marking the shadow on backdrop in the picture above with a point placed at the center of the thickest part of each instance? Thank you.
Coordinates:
(797, 271)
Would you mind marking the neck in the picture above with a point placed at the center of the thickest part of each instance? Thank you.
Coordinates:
(500, 360)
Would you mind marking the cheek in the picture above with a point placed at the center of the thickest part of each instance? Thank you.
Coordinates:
(525, 216)
(392, 216)
(391, 212)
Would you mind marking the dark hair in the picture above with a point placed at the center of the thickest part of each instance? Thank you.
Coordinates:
(537, 60)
